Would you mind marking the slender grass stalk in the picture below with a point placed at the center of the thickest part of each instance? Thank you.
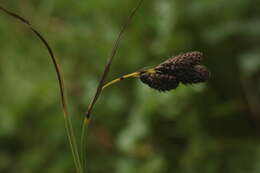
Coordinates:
(84, 131)
(110, 59)
(87, 117)
(68, 124)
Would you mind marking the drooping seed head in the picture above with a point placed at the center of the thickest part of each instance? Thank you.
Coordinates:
(180, 62)
(195, 74)
(158, 81)
(184, 68)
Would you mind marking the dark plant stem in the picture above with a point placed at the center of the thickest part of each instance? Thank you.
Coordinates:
(86, 120)
(68, 124)
(110, 59)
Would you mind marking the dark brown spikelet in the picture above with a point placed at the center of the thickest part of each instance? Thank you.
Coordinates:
(158, 81)
(184, 68)
(180, 62)
(195, 74)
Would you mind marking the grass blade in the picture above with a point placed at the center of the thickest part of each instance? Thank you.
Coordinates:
(86, 121)
(110, 59)
(68, 124)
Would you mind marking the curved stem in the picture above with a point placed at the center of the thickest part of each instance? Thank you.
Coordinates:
(102, 80)
(68, 124)
(131, 75)
(110, 59)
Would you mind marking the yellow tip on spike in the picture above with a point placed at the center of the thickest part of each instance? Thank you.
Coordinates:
(151, 70)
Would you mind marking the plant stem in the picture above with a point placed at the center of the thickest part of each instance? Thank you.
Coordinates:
(68, 124)
(84, 132)
(131, 75)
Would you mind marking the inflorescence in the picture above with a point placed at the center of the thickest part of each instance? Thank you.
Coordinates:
(184, 68)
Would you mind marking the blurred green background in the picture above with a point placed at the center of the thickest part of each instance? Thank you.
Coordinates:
(205, 128)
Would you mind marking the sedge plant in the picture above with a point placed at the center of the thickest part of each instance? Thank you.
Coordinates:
(184, 68)
(79, 158)
(67, 119)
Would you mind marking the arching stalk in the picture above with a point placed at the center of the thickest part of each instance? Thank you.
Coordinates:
(87, 117)
(131, 75)
(68, 124)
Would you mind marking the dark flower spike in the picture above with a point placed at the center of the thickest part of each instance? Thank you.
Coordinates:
(183, 68)
(196, 74)
(180, 62)
(159, 81)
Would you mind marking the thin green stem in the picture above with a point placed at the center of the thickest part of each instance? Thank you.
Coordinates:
(84, 132)
(131, 75)
(71, 137)
(74, 145)
(110, 59)
(68, 124)
(102, 80)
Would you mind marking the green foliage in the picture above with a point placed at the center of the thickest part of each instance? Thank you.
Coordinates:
(208, 128)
